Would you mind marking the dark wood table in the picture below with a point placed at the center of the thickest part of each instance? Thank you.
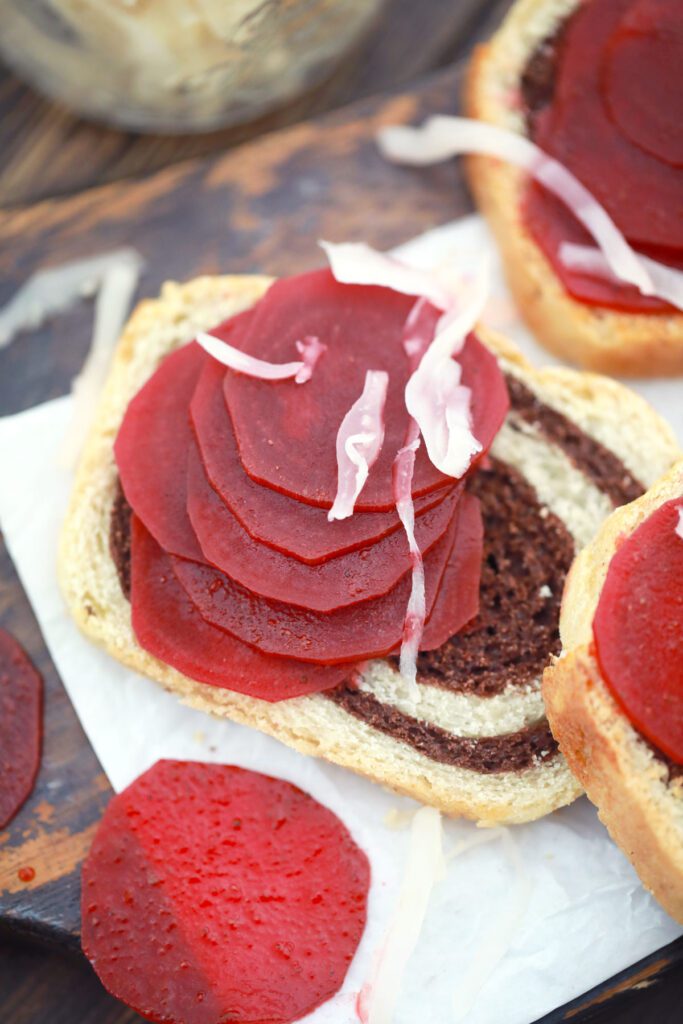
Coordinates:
(46, 152)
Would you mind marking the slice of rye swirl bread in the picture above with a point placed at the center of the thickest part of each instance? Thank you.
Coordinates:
(516, 63)
(477, 744)
(637, 789)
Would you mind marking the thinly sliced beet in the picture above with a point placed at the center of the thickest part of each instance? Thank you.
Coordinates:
(641, 193)
(370, 629)
(362, 575)
(151, 451)
(168, 626)
(215, 894)
(21, 706)
(292, 527)
(641, 77)
(638, 628)
(285, 433)
(457, 601)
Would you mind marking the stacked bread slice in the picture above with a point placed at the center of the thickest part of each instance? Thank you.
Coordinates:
(477, 742)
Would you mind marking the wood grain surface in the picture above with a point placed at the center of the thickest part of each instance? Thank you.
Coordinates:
(260, 207)
(45, 150)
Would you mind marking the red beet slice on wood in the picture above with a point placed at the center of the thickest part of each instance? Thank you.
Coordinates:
(168, 626)
(21, 705)
(151, 451)
(370, 629)
(350, 579)
(298, 530)
(214, 894)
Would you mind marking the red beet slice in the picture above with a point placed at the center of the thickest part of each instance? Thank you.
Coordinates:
(297, 530)
(551, 223)
(370, 629)
(359, 576)
(214, 894)
(285, 432)
(641, 78)
(638, 629)
(21, 704)
(457, 601)
(641, 193)
(151, 451)
(168, 626)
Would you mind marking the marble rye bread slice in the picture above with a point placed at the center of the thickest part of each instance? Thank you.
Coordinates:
(478, 743)
(637, 789)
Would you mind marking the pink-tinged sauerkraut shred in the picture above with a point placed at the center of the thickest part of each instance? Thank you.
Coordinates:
(359, 442)
(301, 370)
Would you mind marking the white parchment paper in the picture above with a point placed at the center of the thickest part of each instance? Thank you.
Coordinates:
(575, 916)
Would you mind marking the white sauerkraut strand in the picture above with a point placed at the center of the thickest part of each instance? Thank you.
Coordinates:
(442, 137)
(359, 442)
(417, 337)
(357, 263)
(301, 369)
(435, 396)
(379, 996)
(413, 623)
(668, 281)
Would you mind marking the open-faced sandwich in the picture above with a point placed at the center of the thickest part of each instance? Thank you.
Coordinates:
(615, 695)
(575, 145)
(345, 517)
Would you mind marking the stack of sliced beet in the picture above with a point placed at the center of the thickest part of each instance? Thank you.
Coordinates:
(238, 578)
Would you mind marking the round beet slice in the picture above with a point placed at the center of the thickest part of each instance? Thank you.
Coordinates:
(21, 705)
(169, 627)
(215, 894)
(370, 629)
(151, 451)
(457, 601)
(285, 431)
(641, 77)
(638, 629)
(640, 192)
(298, 530)
(350, 579)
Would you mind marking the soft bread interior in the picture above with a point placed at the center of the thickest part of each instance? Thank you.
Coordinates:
(314, 724)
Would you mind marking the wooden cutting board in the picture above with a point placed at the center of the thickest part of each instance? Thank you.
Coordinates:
(259, 208)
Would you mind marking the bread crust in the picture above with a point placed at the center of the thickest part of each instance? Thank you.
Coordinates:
(627, 782)
(312, 724)
(595, 337)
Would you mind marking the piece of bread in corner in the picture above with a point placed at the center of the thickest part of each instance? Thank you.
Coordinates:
(638, 801)
(597, 338)
(569, 505)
